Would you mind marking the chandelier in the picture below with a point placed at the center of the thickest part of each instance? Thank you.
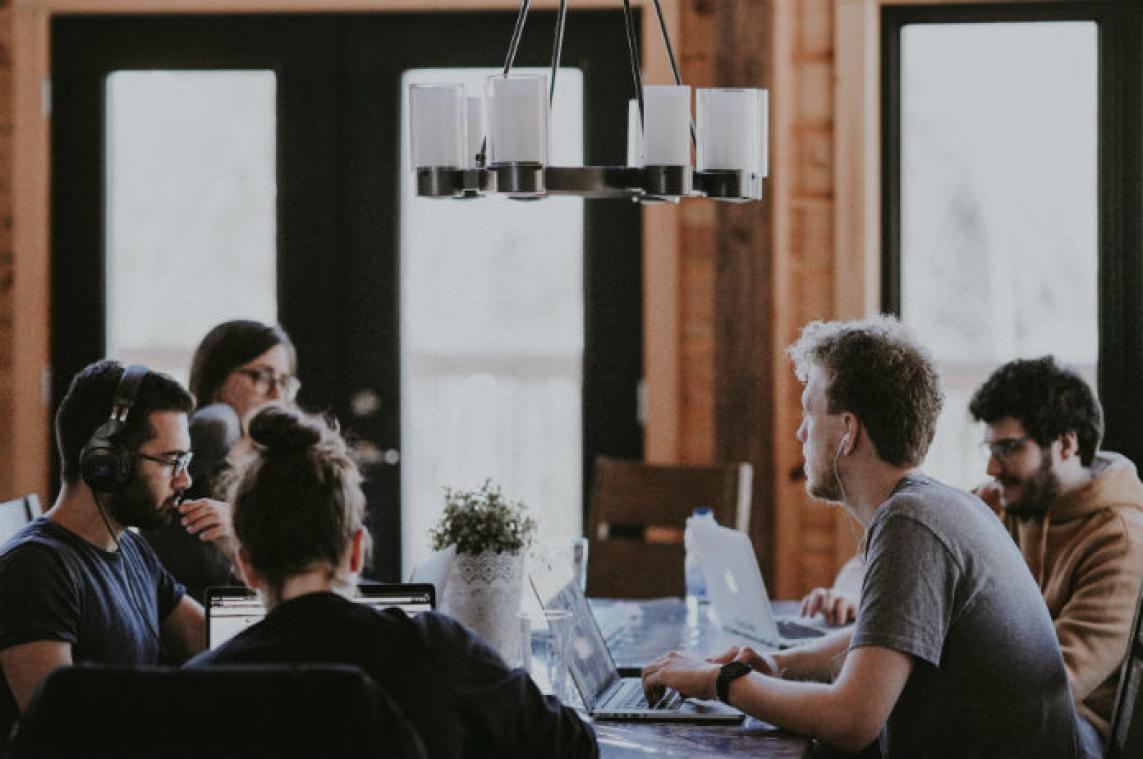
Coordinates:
(466, 146)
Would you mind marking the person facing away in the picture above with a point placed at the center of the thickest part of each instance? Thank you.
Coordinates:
(1076, 514)
(239, 366)
(298, 514)
(953, 652)
(75, 584)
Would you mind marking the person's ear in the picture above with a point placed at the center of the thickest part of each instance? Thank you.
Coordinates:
(357, 551)
(247, 572)
(1069, 445)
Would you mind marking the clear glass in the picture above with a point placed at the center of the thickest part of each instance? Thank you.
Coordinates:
(492, 334)
(666, 125)
(518, 117)
(437, 131)
(191, 209)
(729, 123)
(998, 208)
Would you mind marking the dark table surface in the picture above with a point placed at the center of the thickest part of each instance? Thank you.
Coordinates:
(638, 631)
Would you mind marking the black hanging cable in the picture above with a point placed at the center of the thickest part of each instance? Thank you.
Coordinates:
(517, 33)
(633, 54)
(557, 49)
(152, 629)
(671, 59)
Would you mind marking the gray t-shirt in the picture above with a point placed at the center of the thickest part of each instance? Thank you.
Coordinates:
(945, 584)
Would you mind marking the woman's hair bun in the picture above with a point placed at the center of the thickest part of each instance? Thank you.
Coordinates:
(282, 429)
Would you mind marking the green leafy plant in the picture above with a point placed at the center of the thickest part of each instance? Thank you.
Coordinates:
(483, 520)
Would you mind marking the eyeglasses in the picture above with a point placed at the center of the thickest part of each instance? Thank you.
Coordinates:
(178, 463)
(267, 379)
(1005, 448)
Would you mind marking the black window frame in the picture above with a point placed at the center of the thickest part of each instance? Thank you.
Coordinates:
(1119, 28)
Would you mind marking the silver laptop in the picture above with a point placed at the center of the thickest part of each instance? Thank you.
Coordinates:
(738, 593)
(605, 694)
(230, 610)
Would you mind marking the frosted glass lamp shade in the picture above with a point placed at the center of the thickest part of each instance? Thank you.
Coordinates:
(436, 125)
(634, 134)
(666, 125)
(732, 130)
(474, 130)
(518, 116)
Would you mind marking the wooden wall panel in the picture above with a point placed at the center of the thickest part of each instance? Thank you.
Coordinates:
(7, 273)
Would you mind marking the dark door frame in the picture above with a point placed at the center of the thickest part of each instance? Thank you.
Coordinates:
(1120, 185)
(339, 220)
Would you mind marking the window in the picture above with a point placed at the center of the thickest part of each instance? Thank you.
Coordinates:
(191, 209)
(1008, 156)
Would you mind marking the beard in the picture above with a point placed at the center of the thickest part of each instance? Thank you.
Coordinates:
(135, 506)
(822, 483)
(1040, 491)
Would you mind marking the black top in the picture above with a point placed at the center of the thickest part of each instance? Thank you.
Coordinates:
(455, 689)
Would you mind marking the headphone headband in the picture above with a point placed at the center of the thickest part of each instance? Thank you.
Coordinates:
(127, 390)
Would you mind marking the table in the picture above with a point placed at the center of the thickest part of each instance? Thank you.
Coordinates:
(644, 629)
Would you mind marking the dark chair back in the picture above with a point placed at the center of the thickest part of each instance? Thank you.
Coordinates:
(243, 709)
(1126, 736)
(638, 513)
(16, 513)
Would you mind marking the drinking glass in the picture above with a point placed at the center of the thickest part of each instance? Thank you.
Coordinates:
(545, 643)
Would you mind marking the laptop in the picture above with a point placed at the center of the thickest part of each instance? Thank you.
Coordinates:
(738, 593)
(230, 610)
(605, 694)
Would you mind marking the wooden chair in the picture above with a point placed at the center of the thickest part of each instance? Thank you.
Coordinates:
(638, 513)
(16, 513)
(1126, 736)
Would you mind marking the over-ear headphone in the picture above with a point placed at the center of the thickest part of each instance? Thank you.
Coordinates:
(105, 463)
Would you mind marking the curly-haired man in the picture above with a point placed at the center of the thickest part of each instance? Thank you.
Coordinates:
(1075, 512)
(953, 652)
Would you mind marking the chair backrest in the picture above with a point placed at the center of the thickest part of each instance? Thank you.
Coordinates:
(638, 513)
(94, 709)
(16, 513)
(1126, 736)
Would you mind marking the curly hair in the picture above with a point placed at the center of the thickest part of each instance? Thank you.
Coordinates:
(1047, 399)
(880, 374)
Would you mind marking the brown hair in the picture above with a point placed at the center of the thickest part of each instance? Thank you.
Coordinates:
(298, 501)
(880, 374)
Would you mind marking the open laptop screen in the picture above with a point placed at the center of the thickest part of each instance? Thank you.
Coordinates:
(229, 611)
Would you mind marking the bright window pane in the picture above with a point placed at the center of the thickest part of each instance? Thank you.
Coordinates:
(998, 207)
(191, 217)
(492, 331)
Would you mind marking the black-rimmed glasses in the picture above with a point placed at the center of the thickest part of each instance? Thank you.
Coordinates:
(267, 379)
(178, 462)
(1005, 448)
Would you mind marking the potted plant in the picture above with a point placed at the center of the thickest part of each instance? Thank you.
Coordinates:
(491, 534)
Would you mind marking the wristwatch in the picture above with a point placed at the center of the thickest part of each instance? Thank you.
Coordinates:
(730, 672)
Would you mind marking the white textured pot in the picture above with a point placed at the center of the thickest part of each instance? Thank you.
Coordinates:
(483, 591)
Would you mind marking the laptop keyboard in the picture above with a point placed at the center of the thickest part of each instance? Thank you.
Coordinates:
(793, 631)
(630, 696)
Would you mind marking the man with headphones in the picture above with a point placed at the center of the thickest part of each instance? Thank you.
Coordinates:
(953, 652)
(75, 584)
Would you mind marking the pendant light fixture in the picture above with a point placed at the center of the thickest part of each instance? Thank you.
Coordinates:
(466, 146)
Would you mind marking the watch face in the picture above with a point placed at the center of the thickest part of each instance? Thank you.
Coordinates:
(735, 669)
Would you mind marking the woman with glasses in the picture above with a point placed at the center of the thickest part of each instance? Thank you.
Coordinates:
(238, 367)
(298, 517)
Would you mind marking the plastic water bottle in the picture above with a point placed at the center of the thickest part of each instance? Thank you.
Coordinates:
(692, 568)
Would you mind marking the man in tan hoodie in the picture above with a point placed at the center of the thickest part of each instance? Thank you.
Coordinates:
(1075, 512)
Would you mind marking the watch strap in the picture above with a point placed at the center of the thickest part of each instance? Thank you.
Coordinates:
(730, 672)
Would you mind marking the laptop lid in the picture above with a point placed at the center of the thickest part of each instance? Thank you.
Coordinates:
(592, 668)
(734, 583)
(230, 610)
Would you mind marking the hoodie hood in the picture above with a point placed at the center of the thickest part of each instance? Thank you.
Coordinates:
(1115, 485)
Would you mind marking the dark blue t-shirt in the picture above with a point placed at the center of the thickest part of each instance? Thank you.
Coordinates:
(54, 585)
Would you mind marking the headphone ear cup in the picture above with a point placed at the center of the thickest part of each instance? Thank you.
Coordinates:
(104, 464)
